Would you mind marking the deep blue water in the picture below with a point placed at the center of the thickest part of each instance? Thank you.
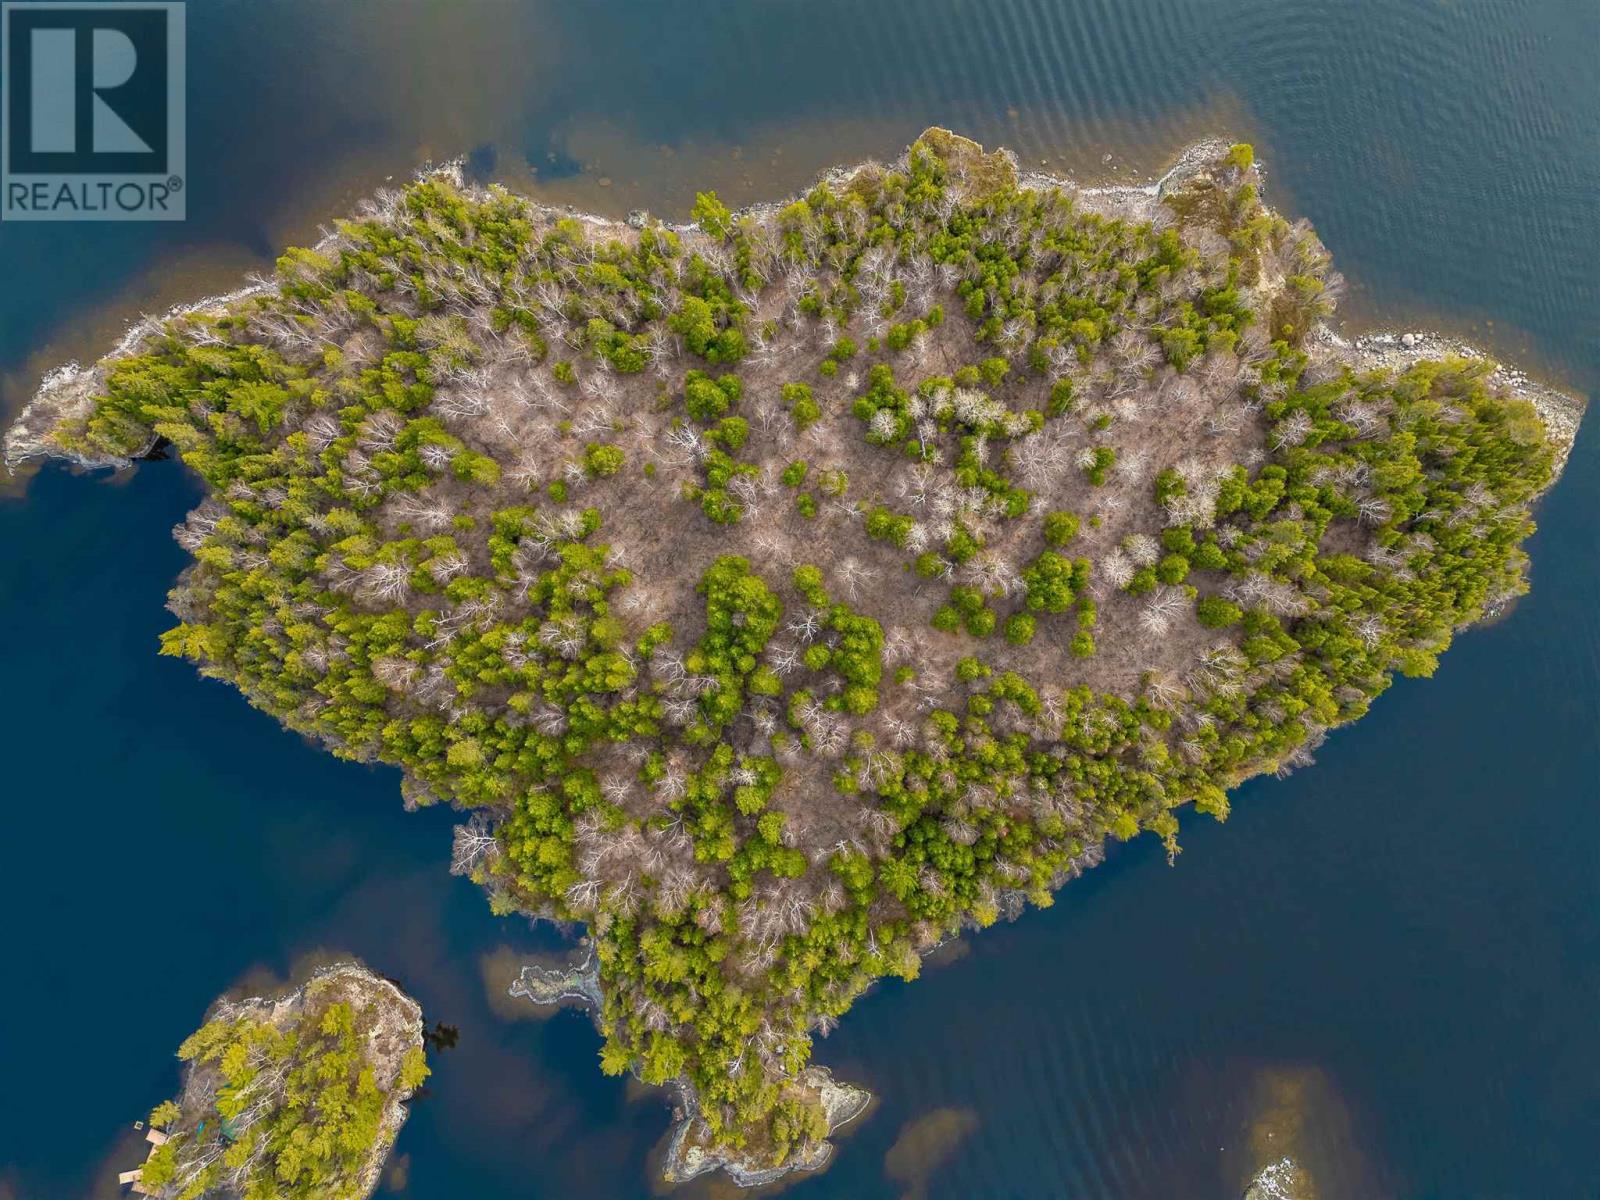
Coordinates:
(1405, 936)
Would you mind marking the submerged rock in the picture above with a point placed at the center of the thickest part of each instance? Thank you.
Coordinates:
(1281, 1180)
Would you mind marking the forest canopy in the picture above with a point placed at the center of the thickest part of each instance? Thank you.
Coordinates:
(782, 593)
(291, 1096)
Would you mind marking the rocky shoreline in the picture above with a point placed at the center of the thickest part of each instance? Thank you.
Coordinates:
(687, 1156)
(578, 985)
(1560, 411)
(390, 1031)
(68, 391)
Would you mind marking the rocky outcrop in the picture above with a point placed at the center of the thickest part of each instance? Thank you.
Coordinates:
(1281, 1180)
(691, 1154)
(205, 1126)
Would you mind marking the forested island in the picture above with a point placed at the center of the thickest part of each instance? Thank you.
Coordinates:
(783, 593)
(298, 1094)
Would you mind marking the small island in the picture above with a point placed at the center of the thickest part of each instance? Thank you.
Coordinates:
(783, 593)
(292, 1095)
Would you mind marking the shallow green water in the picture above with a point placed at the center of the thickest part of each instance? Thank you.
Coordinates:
(1392, 959)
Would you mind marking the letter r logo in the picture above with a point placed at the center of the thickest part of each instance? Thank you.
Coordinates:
(92, 118)
(87, 88)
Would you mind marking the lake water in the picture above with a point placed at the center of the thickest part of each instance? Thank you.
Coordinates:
(1388, 963)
